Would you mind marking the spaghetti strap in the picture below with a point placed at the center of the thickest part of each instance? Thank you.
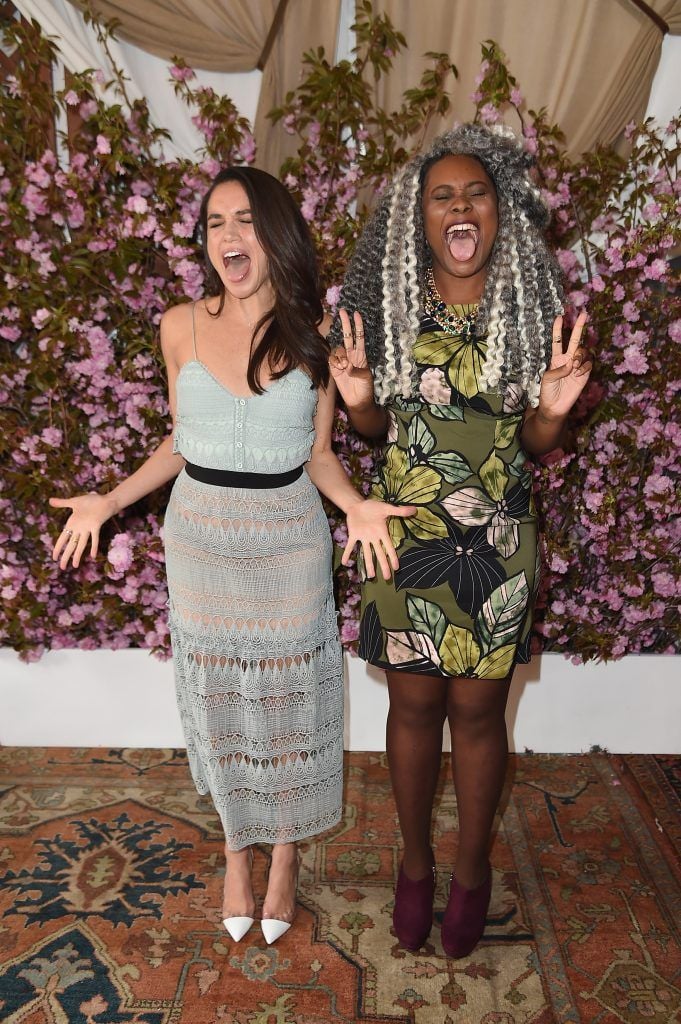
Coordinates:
(194, 330)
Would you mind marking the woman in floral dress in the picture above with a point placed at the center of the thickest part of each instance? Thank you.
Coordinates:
(454, 356)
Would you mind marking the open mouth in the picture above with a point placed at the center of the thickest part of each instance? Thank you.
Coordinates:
(462, 241)
(237, 264)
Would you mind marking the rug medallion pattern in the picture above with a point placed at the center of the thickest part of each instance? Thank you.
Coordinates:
(111, 874)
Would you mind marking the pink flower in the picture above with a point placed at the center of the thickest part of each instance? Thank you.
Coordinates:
(71, 98)
(40, 317)
(137, 204)
(558, 564)
(634, 361)
(657, 270)
(246, 149)
(480, 77)
(103, 145)
(490, 114)
(665, 585)
(120, 552)
(332, 296)
(87, 109)
(657, 484)
(182, 74)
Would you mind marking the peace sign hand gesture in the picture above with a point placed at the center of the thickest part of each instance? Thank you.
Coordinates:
(567, 376)
(349, 366)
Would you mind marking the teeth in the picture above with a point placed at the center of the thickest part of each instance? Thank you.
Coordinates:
(461, 227)
(233, 252)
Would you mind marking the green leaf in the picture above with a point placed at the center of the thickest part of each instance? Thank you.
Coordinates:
(427, 617)
(497, 664)
(459, 653)
(425, 524)
(492, 473)
(435, 349)
(420, 438)
(502, 612)
(446, 412)
(452, 466)
(505, 431)
(419, 486)
(519, 465)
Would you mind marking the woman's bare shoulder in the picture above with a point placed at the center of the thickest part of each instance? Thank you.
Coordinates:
(175, 329)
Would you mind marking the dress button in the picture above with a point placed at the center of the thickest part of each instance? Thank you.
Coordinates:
(239, 444)
(242, 401)
(239, 465)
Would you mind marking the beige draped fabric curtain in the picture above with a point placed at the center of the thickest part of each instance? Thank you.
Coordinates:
(233, 35)
(589, 62)
(218, 35)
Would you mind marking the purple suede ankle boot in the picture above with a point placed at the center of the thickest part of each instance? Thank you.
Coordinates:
(413, 913)
(464, 919)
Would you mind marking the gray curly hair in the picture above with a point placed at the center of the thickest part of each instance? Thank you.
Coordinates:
(386, 277)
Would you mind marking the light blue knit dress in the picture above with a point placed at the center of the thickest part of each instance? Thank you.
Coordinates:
(258, 665)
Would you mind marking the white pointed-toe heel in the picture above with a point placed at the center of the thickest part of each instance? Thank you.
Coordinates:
(273, 929)
(238, 926)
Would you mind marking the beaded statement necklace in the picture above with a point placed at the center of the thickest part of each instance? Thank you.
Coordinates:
(443, 315)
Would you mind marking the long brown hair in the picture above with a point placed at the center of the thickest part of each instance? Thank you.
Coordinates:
(291, 338)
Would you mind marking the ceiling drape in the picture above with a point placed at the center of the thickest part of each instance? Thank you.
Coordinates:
(590, 64)
(230, 35)
(218, 35)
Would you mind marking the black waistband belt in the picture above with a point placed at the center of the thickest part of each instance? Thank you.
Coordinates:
(228, 478)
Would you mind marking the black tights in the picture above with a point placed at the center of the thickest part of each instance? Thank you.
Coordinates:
(475, 709)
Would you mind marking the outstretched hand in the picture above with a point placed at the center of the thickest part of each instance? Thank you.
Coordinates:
(349, 365)
(368, 525)
(567, 376)
(89, 512)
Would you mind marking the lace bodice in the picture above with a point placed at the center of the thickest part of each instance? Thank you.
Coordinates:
(268, 433)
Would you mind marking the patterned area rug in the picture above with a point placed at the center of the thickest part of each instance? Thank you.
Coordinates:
(111, 876)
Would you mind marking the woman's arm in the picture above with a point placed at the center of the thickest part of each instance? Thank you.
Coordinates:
(367, 519)
(561, 386)
(351, 372)
(90, 511)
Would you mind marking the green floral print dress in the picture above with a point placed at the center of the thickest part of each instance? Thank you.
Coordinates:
(461, 601)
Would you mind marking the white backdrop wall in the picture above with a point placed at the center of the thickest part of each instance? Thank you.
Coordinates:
(126, 698)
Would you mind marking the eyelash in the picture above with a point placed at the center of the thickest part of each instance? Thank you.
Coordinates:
(218, 223)
(475, 195)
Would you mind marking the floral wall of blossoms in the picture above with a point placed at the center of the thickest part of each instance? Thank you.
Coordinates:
(96, 246)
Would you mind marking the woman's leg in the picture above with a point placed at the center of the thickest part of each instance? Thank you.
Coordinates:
(238, 899)
(475, 709)
(418, 708)
(280, 899)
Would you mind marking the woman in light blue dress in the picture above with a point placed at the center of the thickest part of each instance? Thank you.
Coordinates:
(258, 665)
